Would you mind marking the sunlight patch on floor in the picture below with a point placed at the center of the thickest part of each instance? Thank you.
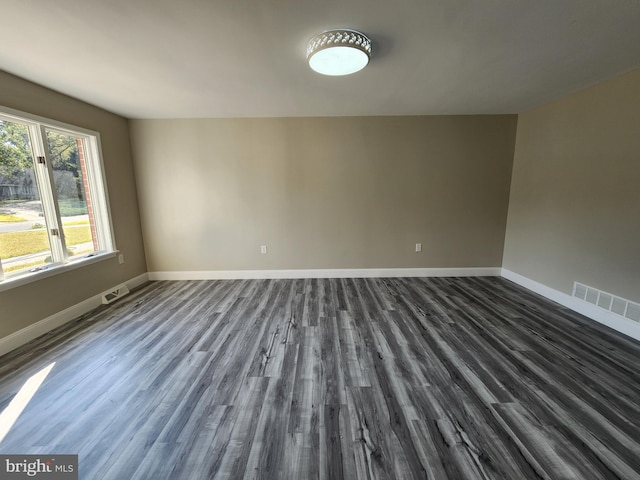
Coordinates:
(10, 414)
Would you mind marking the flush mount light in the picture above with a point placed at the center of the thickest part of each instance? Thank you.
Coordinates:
(339, 52)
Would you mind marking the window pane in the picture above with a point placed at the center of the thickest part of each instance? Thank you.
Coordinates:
(67, 154)
(24, 243)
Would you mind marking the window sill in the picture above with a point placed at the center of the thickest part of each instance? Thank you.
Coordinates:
(9, 283)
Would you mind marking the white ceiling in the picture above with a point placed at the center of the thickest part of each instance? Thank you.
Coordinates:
(246, 58)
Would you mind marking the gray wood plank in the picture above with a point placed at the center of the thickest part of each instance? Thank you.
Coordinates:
(436, 378)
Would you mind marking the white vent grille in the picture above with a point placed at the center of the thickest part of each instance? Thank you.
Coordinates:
(592, 296)
(113, 295)
(604, 301)
(619, 306)
(607, 301)
(633, 311)
(579, 291)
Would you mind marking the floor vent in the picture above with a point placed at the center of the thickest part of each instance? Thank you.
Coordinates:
(607, 301)
(113, 295)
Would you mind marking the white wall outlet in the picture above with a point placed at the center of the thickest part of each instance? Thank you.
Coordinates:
(121, 258)
(418, 247)
(263, 249)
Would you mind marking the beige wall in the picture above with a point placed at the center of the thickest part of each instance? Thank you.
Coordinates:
(574, 212)
(356, 192)
(349, 192)
(25, 305)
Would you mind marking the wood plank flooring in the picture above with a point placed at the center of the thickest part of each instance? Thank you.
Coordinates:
(438, 378)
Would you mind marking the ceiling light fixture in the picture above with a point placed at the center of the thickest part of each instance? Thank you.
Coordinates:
(338, 52)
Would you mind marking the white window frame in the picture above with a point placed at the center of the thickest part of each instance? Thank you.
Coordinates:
(96, 179)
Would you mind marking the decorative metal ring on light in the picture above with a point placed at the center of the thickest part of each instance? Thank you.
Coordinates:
(339, 52)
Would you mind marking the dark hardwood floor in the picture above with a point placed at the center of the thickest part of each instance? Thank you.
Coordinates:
(439, 378)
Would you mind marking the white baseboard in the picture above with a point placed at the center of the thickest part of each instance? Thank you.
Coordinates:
(33, 331)
(621, 324)
(327, 273)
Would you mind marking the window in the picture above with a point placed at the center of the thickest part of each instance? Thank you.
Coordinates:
(53, 202)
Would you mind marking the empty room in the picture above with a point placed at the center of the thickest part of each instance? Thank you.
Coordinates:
(320, 240)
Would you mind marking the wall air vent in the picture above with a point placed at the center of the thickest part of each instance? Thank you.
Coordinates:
(607, 301)
(114, 294)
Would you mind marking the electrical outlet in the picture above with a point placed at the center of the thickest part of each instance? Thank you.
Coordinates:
(418, 247)
(263, 249)
(121, 259)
